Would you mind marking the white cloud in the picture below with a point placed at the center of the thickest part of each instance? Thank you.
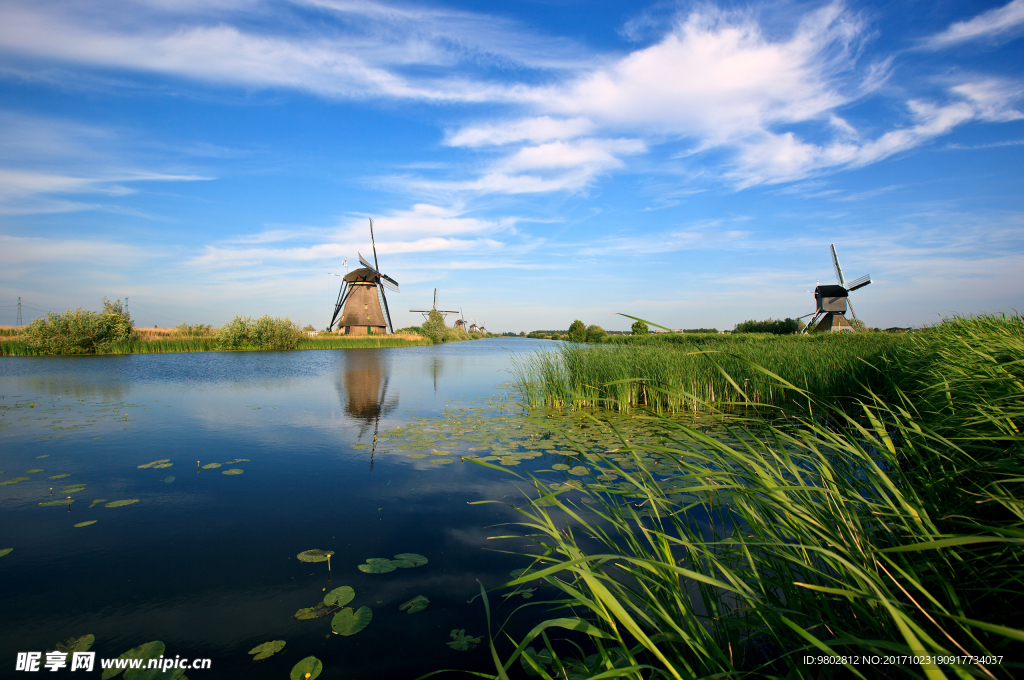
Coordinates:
(1001, 21)
(539, 129)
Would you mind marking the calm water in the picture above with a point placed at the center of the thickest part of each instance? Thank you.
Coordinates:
(207, 562)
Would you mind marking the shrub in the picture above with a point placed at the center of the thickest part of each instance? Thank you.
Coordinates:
(197, 330)
(80, 331)
(264, 333)
(595, 333)
(455, 335)
(434, 327)
(775, 326)
(556, 336)
(640, 328)
(410, 330)
(577, 331)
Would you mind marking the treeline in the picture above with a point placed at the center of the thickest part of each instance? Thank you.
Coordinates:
(438, 331)
(775, 326)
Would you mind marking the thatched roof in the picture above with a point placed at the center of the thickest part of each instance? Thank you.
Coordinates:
(362, 274)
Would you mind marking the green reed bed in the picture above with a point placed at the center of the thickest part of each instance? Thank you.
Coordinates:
(211, 344)
(683, 372)
(366, 341)
(887, 544)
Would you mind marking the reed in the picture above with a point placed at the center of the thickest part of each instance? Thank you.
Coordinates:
(363, 341)
(691, 370)
(212, 344)
(892, 529)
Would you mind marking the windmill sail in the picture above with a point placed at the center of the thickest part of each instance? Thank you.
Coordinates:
(859, 283)
(835, 263)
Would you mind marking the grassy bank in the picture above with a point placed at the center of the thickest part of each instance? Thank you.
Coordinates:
(739, 549)
(15, 347)
(686, 371)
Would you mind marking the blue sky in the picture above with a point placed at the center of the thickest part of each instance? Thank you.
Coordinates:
(537, 162)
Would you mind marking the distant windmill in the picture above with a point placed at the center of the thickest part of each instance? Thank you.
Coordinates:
(832, 301)
(443, 312)
(460, 323)
(361, 297)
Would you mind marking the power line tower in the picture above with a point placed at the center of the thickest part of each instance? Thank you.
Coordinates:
(19, 310)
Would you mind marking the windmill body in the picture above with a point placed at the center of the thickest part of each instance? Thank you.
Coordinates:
(362, 306)
(832, 301)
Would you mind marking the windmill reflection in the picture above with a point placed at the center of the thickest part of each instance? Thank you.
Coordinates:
(363, 389)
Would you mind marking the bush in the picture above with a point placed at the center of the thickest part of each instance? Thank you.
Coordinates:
(556, 336)
(775, 326)
(640, 328)
(197, 330)
(434, 327)
(410, 330)
(264, 333)
(80, 331)
(577, 331)
(595, 333)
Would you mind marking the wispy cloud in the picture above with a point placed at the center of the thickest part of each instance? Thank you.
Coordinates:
(1000, 22)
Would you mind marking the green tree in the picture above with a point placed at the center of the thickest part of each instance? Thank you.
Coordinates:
(595, 333)
(577, 331)
(434, 327)
(640, 328)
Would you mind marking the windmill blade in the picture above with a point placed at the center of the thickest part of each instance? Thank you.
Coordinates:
(362, 261)
(835, 263)
(850, 305)
(389, 283)
(806, 315)
(386, 310)
(435, 298)
(376, 267)
(859, 283)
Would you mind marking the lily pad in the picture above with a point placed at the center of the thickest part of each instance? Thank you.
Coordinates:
(237, 460)
(169, 479)
(377, 565)
(233, 471)
(32, 472)
(162, 465)
(441, 461)
(211, 466)
(559, 466)
(307, 669)
(45, 455)
(579, 471)
(85, 524)
(416, 604)
(70, 645)
(314, 612)
(339, 596)
(349, 622)
(416, 455)
(150, 650)
(417, 560)
(315, 555)
(59, 501)
(154, 463)
(74, 488)
(267, 649)
(98, 501)
(120, 504)
(66, 474)
(462, 642)
(6, 551)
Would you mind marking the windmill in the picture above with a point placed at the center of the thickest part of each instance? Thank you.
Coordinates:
(832, 301)
(362, 297)
(443, 312)
(460, 323)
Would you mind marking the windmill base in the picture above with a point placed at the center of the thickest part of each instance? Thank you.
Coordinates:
(363, 330)
(833, 322)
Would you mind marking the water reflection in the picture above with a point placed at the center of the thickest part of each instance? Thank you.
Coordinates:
(363, 388)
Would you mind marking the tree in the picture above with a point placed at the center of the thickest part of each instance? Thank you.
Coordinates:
(434, 327)
(776, 326)
(640, 328)
(595, 333)
(577, 331)
(522, 334)
(857, 324)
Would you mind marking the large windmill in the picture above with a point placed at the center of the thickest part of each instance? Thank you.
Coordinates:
(361, 298)
(443, 312)
(831, 302)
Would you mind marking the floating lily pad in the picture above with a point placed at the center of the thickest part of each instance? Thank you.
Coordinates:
(85, 524)
(417, 455)
(6, 551)
(267, 649)
(237, 460)
(417, 560)
(360, 446)
(211, 466)
(150, 650)
(579, 471)
(45, 455)
(609, 477)
(559, 466)
(59, 501)
(74, 488)
(98, 501)
(233, 471)
(416, 604)
(119, 504)
(339, 596)
(66, 474)
(308, 669)
(154, 463)
(441, 453)
(462, 642)
(349, 622)
(441, 461)
(314, 612)
(81, 644)
(377, 565)
(162, 465)
(169, 479)
(315, 555)
(32, 472)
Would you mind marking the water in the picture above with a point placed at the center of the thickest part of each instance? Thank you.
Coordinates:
(207, 562)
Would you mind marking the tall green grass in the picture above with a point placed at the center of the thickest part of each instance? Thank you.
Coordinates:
(212, 344)
(689, 371)
(895, 531)
(361, 341)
